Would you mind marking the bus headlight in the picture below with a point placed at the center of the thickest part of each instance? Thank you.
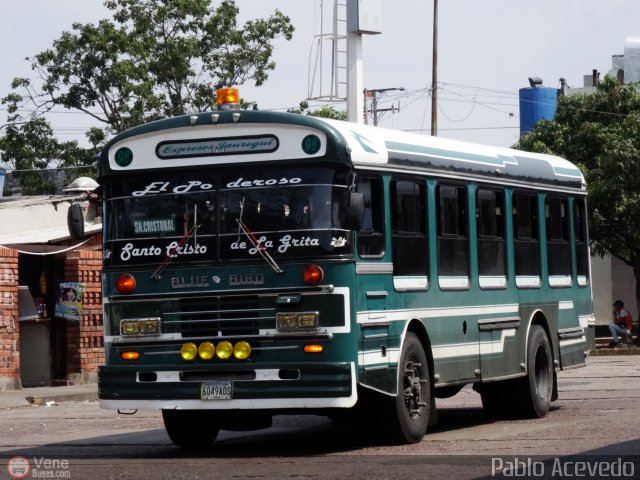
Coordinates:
(139, 326)
(297, 320)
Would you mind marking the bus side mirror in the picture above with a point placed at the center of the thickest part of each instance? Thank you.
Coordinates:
(355, 215)
(75, 221)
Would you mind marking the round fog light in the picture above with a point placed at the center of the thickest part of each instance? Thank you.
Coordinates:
(224, 350)
(188, 351)
(242, 350)
(206, 350)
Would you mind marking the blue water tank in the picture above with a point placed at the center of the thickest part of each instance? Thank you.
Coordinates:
(536, 104)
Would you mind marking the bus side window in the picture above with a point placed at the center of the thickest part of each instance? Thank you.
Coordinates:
(527, 244)
(581, 241)
(558, 247)
(409, 228)
(453, 237)
(491, 236)
(371, 236)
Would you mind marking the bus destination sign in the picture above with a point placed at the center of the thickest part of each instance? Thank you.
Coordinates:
(208, 147)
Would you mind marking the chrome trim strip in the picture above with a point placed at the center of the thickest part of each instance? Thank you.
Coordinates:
(378, 294)
(374, 268)
(217, 293)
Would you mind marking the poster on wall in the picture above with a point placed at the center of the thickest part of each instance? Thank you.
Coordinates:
(69, 300)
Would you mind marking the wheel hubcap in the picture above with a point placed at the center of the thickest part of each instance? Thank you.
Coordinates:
(413, 389)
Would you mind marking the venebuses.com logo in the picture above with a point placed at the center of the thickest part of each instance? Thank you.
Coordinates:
(21, 467)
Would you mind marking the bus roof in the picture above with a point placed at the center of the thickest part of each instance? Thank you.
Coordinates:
(361, 145)
(381, 146)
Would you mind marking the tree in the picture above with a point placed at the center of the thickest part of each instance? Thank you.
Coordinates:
(326, 111)
(600, 132)
(154, 59)
(151, 59)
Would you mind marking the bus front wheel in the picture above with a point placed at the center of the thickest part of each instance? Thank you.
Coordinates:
(409, 415)
(537, 386)
(191, 428)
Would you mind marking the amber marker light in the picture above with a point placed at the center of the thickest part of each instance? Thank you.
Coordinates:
(242, 350)
(312, 275)
(224, 350)
(188, 351)
(130, 355)
(206, 350)
(313, 348)
(125, 284)
(228, 96)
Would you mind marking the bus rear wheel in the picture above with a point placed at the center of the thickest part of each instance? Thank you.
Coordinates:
(537, 387)
(191, 428)
(409, 409)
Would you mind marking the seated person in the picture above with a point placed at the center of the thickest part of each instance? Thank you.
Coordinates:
(622, 323)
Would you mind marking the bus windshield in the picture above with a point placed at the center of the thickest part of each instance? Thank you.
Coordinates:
(226, 215)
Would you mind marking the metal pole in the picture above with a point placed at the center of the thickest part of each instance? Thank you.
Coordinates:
(355, 101)
(434, 72)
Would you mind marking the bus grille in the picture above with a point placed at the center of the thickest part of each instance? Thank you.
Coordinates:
(221, 317)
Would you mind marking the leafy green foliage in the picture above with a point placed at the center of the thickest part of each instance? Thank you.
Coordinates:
(600, 132)
(150, 60)
(155, 59)
(326, 111)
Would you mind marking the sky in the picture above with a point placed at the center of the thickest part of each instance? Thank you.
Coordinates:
(486, 52)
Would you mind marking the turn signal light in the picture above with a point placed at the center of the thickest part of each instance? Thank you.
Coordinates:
(312, 275)
(125, 284)
(313, 348)
(130, 355)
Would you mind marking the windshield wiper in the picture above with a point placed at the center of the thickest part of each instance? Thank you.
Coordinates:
(171, 254)
(242, 227)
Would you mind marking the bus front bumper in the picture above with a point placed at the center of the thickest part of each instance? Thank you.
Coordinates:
(299, 386)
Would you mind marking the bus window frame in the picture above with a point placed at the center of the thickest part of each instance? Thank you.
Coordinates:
(453, 281)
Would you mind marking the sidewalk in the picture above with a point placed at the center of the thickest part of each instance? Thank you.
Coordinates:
(42, 395)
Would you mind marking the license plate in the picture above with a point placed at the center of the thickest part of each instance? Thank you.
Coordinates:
(216, 391)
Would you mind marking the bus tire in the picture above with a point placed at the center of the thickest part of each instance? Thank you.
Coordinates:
(536, 387)
(409, 409)
(191, 428)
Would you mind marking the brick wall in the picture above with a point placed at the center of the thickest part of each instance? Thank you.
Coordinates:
(9, 325)
(85, 342)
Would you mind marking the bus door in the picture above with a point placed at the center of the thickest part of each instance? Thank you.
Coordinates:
(374, 288)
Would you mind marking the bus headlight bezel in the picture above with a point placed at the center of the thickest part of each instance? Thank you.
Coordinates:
(140, 327)
(292, 321)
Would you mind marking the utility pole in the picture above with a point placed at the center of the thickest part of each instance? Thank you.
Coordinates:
(375, 95)
(434, 73)
(362, 18)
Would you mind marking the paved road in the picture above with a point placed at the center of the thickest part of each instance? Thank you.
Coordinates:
(597, 417)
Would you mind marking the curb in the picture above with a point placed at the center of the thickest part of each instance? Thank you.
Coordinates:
(41, 396)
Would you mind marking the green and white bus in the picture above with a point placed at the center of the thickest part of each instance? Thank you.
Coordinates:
(260, 263)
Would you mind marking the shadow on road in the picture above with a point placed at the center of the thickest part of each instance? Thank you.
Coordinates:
(289, 436)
